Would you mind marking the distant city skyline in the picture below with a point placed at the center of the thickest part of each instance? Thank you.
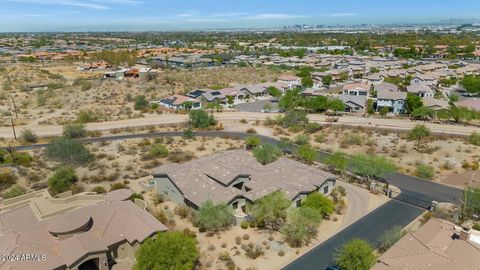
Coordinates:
(164, 15)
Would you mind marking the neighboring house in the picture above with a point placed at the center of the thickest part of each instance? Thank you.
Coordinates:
(421, 90)
(197, 93)
(386, 87)
(213, 96)
(355, 104)
(356, 89)
(252, 90)
(236, 178)
(308, 92)
(117, 74)
(472, 104)
(424, 79)
(375, 78)
(393, 100)
(176, 102)
(73, 233)
(437, 245)
(435, 104)
(290, 80)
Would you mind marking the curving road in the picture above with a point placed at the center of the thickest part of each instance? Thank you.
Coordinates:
(348, 120)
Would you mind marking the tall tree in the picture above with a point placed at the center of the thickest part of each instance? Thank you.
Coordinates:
(355, 255)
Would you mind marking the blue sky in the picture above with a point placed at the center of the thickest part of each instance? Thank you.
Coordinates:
(92, 15)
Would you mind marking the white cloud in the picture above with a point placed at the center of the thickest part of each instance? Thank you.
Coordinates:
(196, 16)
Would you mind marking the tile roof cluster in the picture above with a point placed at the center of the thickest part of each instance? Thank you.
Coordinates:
(67, 238)
(434, 246)
(209, 178)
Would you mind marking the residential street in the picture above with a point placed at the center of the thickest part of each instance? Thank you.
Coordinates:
(352, 121)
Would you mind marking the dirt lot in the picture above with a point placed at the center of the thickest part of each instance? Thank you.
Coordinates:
(123, 160)
(71, 90)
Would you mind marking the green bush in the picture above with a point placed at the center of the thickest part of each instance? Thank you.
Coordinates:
(389, 238)
(476, 226)
(15, 191)
(141, 103)
(267, 153)
(7, 179)
(62, 180)
(351, 139)
(158, 150)
(201, 119)
(28, 136)
(316, 201)
(20, 158)
(252, 141)
(74, 131)
(302, 139)
(86, 116)
(424, 171)
(99, 190)
(474, 138)
(301, 226)
(320, 138)
(118, 185)
(68, 151)
(169, 250)
(213, 217)
(244, 225)
(312, 127)
(355, 255)
(307, 154)
(188, 134)
(295, 128)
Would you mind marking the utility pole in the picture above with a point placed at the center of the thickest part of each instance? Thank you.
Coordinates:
(13, 127)
(15, 107)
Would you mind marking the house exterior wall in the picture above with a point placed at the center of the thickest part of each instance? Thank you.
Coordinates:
(125, 250)
(397, 106)
(102, 261)
(166, 188)
(327, 187)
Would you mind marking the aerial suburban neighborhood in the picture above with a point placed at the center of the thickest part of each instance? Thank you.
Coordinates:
(251, 135)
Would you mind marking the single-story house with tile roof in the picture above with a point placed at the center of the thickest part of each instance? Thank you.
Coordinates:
(81, 232)
(291, 80)
(435, 104)
(356, 89)
(437, 245)
(235, 177)
(386, 87)
(355, 104)
(176, 102)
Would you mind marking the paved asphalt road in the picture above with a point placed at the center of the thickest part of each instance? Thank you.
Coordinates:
(368, 228)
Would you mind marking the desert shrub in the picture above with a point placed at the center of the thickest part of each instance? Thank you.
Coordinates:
(140, 102)
(28, 136)
(158, 199)
(306, 153)
(320, 138)
(99, 190)
(179, 156)
(62, 180)
(14, 191)
(424, 171)
(252, 141)
(251, 130)
(238, 240)
(301, 226)
(389, 238)
(20, 158)
(294, 117)
(312, 127)
(281, 253)
(302, 139)
(190, 233)
(476, 226)
(351, 139)
(169, 250)
(267, 153)
(68, 151)
(201, 119)
(213, 217)
(254, 251)
(244, 225)
(7, 179)
(136, 196)
(188, 134)
(158, 150)
(74, 131)
(474, 138)
(224, 256)
(271, 210)
(86, 116)
(182, 211)
(316, 201)
(295, 128)
(117, 185)
(355, 254)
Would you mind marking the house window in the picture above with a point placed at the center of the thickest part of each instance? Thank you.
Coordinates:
(325, 189)
(235, 205)
(298, 203)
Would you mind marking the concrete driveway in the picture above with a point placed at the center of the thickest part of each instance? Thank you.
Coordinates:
(358, 201)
